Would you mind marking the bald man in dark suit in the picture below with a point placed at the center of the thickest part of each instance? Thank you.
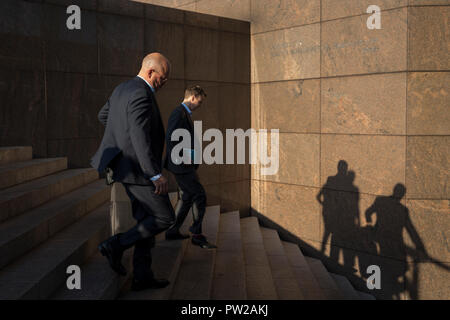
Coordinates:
(132, 148)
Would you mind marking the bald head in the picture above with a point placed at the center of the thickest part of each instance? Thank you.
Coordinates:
(157, 61)
(155, 69)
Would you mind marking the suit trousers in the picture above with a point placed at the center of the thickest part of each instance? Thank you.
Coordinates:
(154, 214)
(192, 194)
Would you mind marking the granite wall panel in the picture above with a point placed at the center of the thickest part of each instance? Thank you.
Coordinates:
(428, 42)
(428, 103)
(70, 50)
(23, 115)
(202, 53)
(299, 158)
(373, 104)
(21, 25)
(428, 281)
(300, 99)
(73, 105)
(431, 221)
(286, 54)
(349, 47)
(335, 9)
(267, 15)
(377, 162)
(167, 39)
(427, 167)
(121, 44)
(239, 10)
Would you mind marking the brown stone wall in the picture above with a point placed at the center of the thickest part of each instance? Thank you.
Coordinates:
(376, 99)
(54, 81)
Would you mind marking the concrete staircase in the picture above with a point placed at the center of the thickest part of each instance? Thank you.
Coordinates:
(250, 263)
(52, 217)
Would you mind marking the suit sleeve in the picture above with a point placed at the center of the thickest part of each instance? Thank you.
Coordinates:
(139, 116)
(103, 114)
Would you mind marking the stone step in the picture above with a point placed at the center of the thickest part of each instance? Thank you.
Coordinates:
(15, 154)
(305, 278)
(346, 288)
(102, 283)
(21, 234)
(229, 268)
(258, 274)
(365, 296)
(20, 198)
(18, 172)
(38, 274)
(325, 280)
(282, 273)
(167, 257)
(99, 281)
(194, 278)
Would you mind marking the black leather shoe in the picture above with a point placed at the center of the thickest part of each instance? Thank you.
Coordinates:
(149, 284)
(202, 242)
(176, 236)
(110, 248)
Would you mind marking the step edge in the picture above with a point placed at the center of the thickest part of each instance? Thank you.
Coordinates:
(29, 229)
(324, 271)
(36, 283)
(278, 240)
(15, 195)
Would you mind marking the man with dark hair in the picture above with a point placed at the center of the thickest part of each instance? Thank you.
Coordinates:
(132, 148)
(192, 194)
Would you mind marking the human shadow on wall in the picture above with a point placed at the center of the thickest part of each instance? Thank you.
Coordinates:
(340, 212)
(354, 244)
(379, 242)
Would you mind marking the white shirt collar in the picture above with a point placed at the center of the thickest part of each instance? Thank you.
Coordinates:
(153, 90)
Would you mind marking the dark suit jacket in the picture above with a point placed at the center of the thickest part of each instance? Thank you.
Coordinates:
(179, 119)
(133, 142)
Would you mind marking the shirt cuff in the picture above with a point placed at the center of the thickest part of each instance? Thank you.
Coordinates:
(154, 178)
